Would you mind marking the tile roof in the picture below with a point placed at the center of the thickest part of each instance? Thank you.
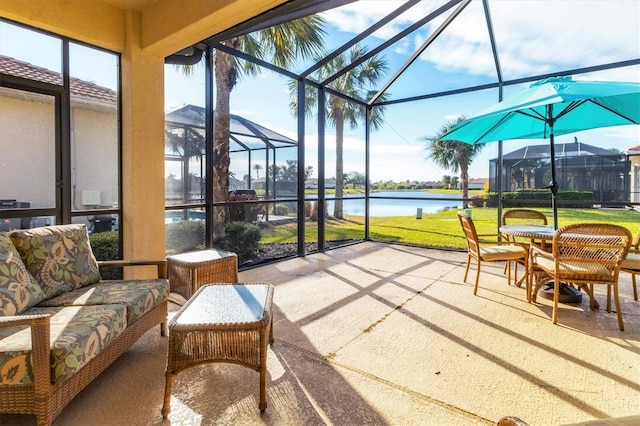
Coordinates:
(478, 180)
(561, 150)
(79, 88)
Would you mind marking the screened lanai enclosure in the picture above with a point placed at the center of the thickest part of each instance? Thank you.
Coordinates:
(384, 78)
(249, 144)
(323, 112)
(602, 174)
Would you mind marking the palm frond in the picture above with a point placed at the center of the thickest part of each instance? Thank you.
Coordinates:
(451, 155)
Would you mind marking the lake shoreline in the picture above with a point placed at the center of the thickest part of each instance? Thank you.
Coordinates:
(398, 203)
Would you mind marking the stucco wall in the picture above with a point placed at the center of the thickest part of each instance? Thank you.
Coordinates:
(91, 21)
(27, 145)
(94, 156)
(143, 38)
(166, 26)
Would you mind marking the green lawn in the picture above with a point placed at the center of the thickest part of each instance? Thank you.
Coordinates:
(439, 229)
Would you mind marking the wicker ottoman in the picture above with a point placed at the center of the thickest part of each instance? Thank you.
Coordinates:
(221, 323)
(188, 271)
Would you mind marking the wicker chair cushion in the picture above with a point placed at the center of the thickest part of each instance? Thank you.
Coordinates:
(18, 289)
(139, 296)
(502, 252)
(78, 333)
(585, 270)
(59, 257)
(631, 262)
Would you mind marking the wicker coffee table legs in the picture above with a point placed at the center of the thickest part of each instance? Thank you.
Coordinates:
(221, 323)
(189, 271)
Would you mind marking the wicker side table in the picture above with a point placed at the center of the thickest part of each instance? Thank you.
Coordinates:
(221, 323)
(188, 271)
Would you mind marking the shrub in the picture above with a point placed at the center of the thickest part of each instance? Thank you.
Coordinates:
(105, 246)
(539, 198)
(281, 210)
(476, 201)
(242, 238)
(184, 236)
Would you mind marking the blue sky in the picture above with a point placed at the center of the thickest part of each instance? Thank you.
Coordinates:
(533, 38)
(531, 41)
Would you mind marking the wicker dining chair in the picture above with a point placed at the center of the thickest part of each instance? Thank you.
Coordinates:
(523, 216)
(483, 250)
(583, 254)
(632, 264)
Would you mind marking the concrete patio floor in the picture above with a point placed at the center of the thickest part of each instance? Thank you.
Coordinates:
(390, 335)
(407, 336)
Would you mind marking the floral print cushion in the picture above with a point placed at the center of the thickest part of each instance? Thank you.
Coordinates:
(59, 257)
(78, 333)
(139, 296)
(18, 289)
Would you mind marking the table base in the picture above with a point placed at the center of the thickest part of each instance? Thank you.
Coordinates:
(567, 294)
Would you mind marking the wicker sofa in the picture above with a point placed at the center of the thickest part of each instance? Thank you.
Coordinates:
(60, 324)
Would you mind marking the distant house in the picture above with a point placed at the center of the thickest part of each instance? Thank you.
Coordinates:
(633, 155)
(313, 183)
(283, 186)
(579, 167)
(477, 183)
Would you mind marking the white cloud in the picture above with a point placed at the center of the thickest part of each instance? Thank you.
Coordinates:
(452, 117)
(403, 47)
(538, 37)
(397, 149)
(533, 37)
(622, 134)
(358, 16)
(386, 158)
(631, 73)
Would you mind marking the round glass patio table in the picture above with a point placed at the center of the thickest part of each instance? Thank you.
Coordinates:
(568, 294)
(533, 232)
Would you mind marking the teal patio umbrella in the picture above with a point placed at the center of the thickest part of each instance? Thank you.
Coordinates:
(550, 107)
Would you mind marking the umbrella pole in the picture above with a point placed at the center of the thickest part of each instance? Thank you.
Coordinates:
(567, 293)
(554, 184)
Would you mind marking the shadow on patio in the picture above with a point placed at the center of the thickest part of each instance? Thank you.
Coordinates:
(384, 334)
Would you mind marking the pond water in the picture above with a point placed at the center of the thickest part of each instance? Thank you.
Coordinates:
(399, 207)
(392, 206)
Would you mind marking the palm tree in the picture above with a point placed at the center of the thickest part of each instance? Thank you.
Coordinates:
(446, 181)
(281, 45)
(188, 144)
(257, 168)
(356, 83)
(453, 155)
(454, 181)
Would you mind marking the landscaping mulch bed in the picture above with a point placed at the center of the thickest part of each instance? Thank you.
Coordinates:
(272, 252)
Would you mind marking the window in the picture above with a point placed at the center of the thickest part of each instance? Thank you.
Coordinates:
(60, 138)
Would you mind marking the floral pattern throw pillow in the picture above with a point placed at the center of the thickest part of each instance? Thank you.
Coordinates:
(18, 289)
(59, 257)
